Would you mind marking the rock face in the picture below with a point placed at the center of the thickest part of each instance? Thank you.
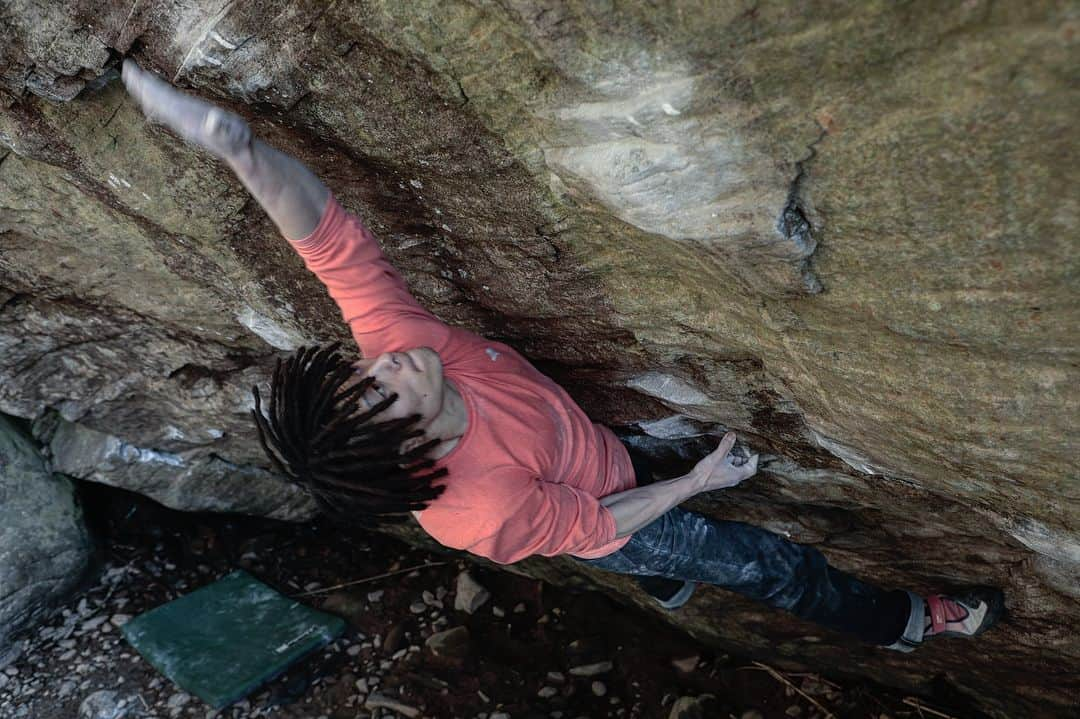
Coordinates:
(44, 546)
(845, 232)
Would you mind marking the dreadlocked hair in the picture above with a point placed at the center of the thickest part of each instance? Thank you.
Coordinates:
(319, 438)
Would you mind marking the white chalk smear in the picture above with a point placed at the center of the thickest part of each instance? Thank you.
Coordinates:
(222, 41)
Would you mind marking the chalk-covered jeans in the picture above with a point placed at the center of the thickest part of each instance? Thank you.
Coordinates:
(762, 565)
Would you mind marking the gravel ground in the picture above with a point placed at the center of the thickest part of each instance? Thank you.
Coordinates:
(527, 649)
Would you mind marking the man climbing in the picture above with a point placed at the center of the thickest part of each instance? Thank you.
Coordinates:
(490, 455)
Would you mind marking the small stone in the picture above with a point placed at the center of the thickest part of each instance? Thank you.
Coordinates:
(428, 597)
(375, 596)
(177, 701)
(591, 670)
(498, 611)
(119, 620)
(547, 692)
(752, 714)
(599, 689)
(686, 664)
(91, 624)
(417, 607)
(519, 608)
(451, 642)
(394, 639)
(556, 678)
(377, 701)
(104, 704)
(694, 707)
(793, 711)
(470, 595)
(353, 650)
(362, 686)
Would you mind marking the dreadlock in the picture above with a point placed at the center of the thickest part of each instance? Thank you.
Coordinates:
(319, 439)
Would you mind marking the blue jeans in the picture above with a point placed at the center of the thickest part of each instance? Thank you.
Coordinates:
(761, 565)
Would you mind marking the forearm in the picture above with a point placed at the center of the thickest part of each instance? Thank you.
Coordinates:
(287, 190)
(635, 508)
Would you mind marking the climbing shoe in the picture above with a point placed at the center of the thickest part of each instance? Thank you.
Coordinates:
(668, 593)
(966, 614)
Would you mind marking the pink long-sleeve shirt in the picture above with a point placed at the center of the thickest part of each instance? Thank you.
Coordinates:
(528, 473)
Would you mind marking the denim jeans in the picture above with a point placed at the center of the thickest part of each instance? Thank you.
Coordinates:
(761, 565)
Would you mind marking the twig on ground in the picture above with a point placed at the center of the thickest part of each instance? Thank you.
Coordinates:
(820, 678)
(920, 707)
(787, 682)
(320, 590)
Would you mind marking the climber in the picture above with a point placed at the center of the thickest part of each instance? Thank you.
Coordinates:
(488, 454)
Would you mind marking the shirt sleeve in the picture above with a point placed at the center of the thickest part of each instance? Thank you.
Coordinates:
(521, 515)
(373, 298)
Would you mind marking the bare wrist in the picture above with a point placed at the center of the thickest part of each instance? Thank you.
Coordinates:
(695, 483)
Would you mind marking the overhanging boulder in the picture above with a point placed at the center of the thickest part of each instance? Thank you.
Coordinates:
(845, 232)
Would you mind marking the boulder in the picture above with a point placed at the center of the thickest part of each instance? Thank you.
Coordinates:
(45, 548)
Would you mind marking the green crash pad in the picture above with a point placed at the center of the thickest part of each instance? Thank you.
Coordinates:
(226, 639)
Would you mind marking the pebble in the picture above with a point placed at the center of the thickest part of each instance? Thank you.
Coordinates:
(519, 608)
(417, 607)
(547, 692)
(353, 650)
(556, 677)
(376, 701)
(91, 624)
(104, 704)
(375, 596)
(452, 642)
(177, 701)
(471, 595)
(686, 664)
(591, 670)
(599, 689)
(498, 611)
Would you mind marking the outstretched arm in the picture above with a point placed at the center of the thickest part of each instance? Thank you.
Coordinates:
(635, 508)
(334, 244)
(286, 189)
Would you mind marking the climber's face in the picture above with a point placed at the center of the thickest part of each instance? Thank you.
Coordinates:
(415, 376)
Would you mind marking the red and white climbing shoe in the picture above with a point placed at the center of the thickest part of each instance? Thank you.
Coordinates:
(966, 614)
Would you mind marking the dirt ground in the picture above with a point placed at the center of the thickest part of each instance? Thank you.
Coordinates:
(531, 650)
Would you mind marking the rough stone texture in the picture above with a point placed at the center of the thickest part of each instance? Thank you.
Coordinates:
(45, 549)
(844, 230)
